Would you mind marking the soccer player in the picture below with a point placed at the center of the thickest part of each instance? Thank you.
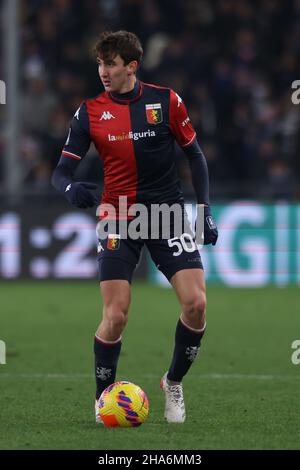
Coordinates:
(134, 126)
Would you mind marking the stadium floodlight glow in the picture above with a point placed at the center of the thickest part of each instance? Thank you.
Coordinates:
(2, 92)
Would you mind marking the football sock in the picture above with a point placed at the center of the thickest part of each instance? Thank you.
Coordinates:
(187, 345)
(106, 360)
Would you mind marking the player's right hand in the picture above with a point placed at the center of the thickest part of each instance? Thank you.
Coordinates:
(79, 194)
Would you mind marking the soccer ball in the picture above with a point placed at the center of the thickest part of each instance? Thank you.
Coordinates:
(123, 404)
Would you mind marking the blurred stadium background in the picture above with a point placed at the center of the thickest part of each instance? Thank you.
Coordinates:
(233, 62)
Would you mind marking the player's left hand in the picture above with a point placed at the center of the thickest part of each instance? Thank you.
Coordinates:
(210, 228)
(209, 235)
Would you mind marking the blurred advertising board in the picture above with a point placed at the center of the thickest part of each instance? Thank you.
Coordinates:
(258, 244)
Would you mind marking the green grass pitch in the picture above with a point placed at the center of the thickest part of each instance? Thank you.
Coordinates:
(241, 393)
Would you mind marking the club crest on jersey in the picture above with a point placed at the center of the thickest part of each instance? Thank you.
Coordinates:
(154, 113)
(113, 241)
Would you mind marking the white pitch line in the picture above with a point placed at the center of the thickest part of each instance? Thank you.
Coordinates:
(46, 376)
(236, 376)
(153, 376)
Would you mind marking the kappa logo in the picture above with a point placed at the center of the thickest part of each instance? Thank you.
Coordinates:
(100, 248)
(179, 100)
(76, 115)
(106, 115)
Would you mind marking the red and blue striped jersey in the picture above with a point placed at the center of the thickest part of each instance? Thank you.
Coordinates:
(135, 139)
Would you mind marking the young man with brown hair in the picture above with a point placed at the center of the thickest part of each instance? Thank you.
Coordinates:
(134, 126)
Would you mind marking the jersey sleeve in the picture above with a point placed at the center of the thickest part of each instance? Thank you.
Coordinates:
(179, 120)
(78, 140)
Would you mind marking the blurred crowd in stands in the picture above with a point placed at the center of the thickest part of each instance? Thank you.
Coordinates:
(233, 63)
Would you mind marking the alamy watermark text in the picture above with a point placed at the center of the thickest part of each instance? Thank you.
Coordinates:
(2, 92)
(2, 352)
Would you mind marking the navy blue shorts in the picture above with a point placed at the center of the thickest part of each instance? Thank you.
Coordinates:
(118, 257)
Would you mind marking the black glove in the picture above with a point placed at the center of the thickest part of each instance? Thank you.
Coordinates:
(210, 231)
(78, 194)
(210, 228)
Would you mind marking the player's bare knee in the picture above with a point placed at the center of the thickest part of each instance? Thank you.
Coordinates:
(116, 317)
(194, 308)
